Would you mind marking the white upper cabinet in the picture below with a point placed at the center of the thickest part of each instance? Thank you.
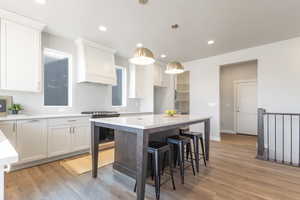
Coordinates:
(160, 79)
(96, 63)
(20, 53)
(137, 75)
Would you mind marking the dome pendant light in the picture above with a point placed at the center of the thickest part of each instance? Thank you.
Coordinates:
(174, 68)
(142, 56)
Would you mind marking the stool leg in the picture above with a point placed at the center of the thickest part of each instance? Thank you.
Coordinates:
(157, 175)
(175, 154)
(189, 147)
(196, 152)
(151, 166)
(203, 152)
(164, 162)
(135, 187)
(181, 160)
(187, 153)
(171, 170)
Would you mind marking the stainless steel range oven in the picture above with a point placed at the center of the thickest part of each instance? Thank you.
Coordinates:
(107, 134)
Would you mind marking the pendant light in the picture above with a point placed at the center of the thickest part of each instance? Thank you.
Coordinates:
(174, 68)
(142, 56)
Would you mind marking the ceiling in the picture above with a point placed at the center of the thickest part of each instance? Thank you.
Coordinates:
(233, 24)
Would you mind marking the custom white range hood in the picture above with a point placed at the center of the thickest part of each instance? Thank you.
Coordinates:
(96, 63)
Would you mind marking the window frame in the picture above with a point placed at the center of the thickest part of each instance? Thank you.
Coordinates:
(60, 54)
(124, 87)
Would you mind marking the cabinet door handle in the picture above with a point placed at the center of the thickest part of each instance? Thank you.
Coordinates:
(74, 129)
(14, 127)
(72, 120)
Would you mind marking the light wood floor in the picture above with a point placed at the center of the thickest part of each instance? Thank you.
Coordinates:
(233, 173)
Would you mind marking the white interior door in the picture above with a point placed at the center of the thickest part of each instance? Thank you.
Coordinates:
(246, 108)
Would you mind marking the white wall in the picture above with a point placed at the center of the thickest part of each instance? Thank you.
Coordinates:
(86, 96)
(278, 79)
(229, 74)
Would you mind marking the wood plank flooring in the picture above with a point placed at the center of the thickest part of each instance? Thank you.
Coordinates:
(233, 173)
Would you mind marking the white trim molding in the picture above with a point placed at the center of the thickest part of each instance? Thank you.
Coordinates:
(215, 138)
(81, 41)
(10, 16)
(228, 131)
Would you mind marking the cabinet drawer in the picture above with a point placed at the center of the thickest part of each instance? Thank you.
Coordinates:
(67, 121)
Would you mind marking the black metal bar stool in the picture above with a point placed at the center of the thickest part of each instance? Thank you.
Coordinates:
(156, 149)
(179, 142)
(196, 137)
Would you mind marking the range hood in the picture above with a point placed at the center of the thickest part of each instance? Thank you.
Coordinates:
(96, 63)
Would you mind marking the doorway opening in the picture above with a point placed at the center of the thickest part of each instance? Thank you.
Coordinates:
(238, 98)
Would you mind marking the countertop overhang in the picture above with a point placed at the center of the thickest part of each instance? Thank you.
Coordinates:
(151, 121)
(8, 154)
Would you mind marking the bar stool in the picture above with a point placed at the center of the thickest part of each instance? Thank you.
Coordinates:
(179, 142)
(195, 136)
(155, 149)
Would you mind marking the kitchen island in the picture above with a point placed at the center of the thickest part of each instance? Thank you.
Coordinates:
(132, 136)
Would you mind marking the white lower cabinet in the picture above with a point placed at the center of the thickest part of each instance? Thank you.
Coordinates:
(45, 138)
(31, 140)
(80, 137)
(58, 140)
(67, 136)
(9, 128)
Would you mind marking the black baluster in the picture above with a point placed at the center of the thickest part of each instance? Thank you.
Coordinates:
(268, 136)
(299, 142)
(275, 141)
(283, 138)
(291, 140)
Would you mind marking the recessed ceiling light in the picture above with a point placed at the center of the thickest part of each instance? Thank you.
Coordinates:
(163, 55)
(41, 1)
(210, 42)
(139, 45)
(102, 28)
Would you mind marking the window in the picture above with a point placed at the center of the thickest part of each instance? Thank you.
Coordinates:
(57, 78)
(119, 90)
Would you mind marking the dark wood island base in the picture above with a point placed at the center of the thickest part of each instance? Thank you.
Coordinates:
(125, 149)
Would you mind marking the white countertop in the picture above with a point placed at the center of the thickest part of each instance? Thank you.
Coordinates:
(150, 121)
(39, 116)
(48, 116)
(8, 154)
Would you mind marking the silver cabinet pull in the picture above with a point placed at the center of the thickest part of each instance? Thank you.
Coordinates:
(14, 127)
(72, 120)
(72, 130)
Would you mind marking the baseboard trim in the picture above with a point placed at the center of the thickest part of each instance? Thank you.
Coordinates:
(215, 138)
(228, 131)
(19, 166)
